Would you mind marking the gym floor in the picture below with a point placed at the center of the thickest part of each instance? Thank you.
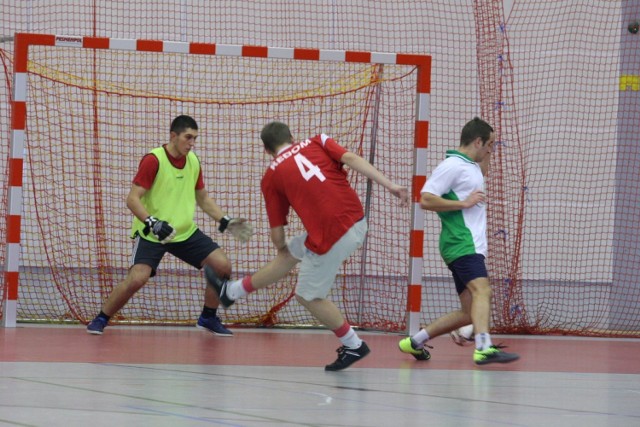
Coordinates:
(181, 376)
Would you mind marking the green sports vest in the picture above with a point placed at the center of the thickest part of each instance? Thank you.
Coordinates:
(172, 197)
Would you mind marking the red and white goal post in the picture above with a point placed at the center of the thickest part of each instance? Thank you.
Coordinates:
(85, 109)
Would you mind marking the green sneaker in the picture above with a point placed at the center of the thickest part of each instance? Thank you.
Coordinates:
(407, 346)
(493, 355)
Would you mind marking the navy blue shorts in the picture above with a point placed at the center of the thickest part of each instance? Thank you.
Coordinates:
(193, 251)
(467, 268)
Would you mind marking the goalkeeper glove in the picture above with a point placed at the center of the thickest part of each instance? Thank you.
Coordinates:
(238, 227)
(162, 230)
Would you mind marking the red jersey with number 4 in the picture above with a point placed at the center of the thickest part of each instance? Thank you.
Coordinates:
(309, 177)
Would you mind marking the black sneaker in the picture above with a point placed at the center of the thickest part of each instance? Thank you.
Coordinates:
(493, 355)
(347, 357)
(219, 285)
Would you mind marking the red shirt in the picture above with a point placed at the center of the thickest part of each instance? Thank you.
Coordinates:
(309, 177)
(148, 169)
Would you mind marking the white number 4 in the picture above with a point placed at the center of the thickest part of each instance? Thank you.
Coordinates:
(308, 169)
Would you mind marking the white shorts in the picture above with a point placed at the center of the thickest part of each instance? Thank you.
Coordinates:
(317, 273)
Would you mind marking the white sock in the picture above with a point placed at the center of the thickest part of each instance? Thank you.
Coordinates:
(483, 341)
(351, 339)
(421, 337)
(235, 290)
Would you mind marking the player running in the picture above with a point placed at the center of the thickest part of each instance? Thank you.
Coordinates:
(309, 177)
(455, 190)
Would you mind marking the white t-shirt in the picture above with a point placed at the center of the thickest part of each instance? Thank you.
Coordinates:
(464, 232)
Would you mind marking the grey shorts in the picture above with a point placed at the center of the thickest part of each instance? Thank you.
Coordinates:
(317, 273)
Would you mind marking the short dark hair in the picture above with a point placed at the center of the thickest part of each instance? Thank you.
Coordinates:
(475, 128)
(182, 123)
(275, 134)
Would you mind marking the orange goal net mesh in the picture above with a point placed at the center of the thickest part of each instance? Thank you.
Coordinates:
(94, 114)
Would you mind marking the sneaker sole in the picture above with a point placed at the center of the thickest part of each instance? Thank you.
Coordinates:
(496, 360)
(202, 328)
(94, 332)
(422, 356)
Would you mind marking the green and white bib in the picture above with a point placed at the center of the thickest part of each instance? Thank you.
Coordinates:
(464, 232)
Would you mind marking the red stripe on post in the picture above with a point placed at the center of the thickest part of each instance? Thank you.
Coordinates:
(309, 54)
(255, 51)
(202, 48)
(96, 42)
(20, 57)
(15, 172)
(416, 243)
(414, 298)
(19, 115)
(422, 134)
(424, 69)
(417, 184)
(22, 42)
(13, 228)
(352, 56)
(149, 45)
(424, 78)
(11, 281)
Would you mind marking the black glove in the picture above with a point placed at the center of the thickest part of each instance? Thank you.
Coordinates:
(224, 223)
(162, 230)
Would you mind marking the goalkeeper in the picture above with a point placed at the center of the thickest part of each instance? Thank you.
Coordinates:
(162, 198)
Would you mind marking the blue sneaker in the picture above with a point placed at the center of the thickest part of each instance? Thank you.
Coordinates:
(97, 325)
(213, 325)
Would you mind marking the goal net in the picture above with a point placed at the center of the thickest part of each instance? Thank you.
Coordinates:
(93, 113)
(563, 201)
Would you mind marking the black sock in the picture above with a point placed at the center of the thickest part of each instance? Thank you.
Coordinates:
(104, 316)
(208, 313)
